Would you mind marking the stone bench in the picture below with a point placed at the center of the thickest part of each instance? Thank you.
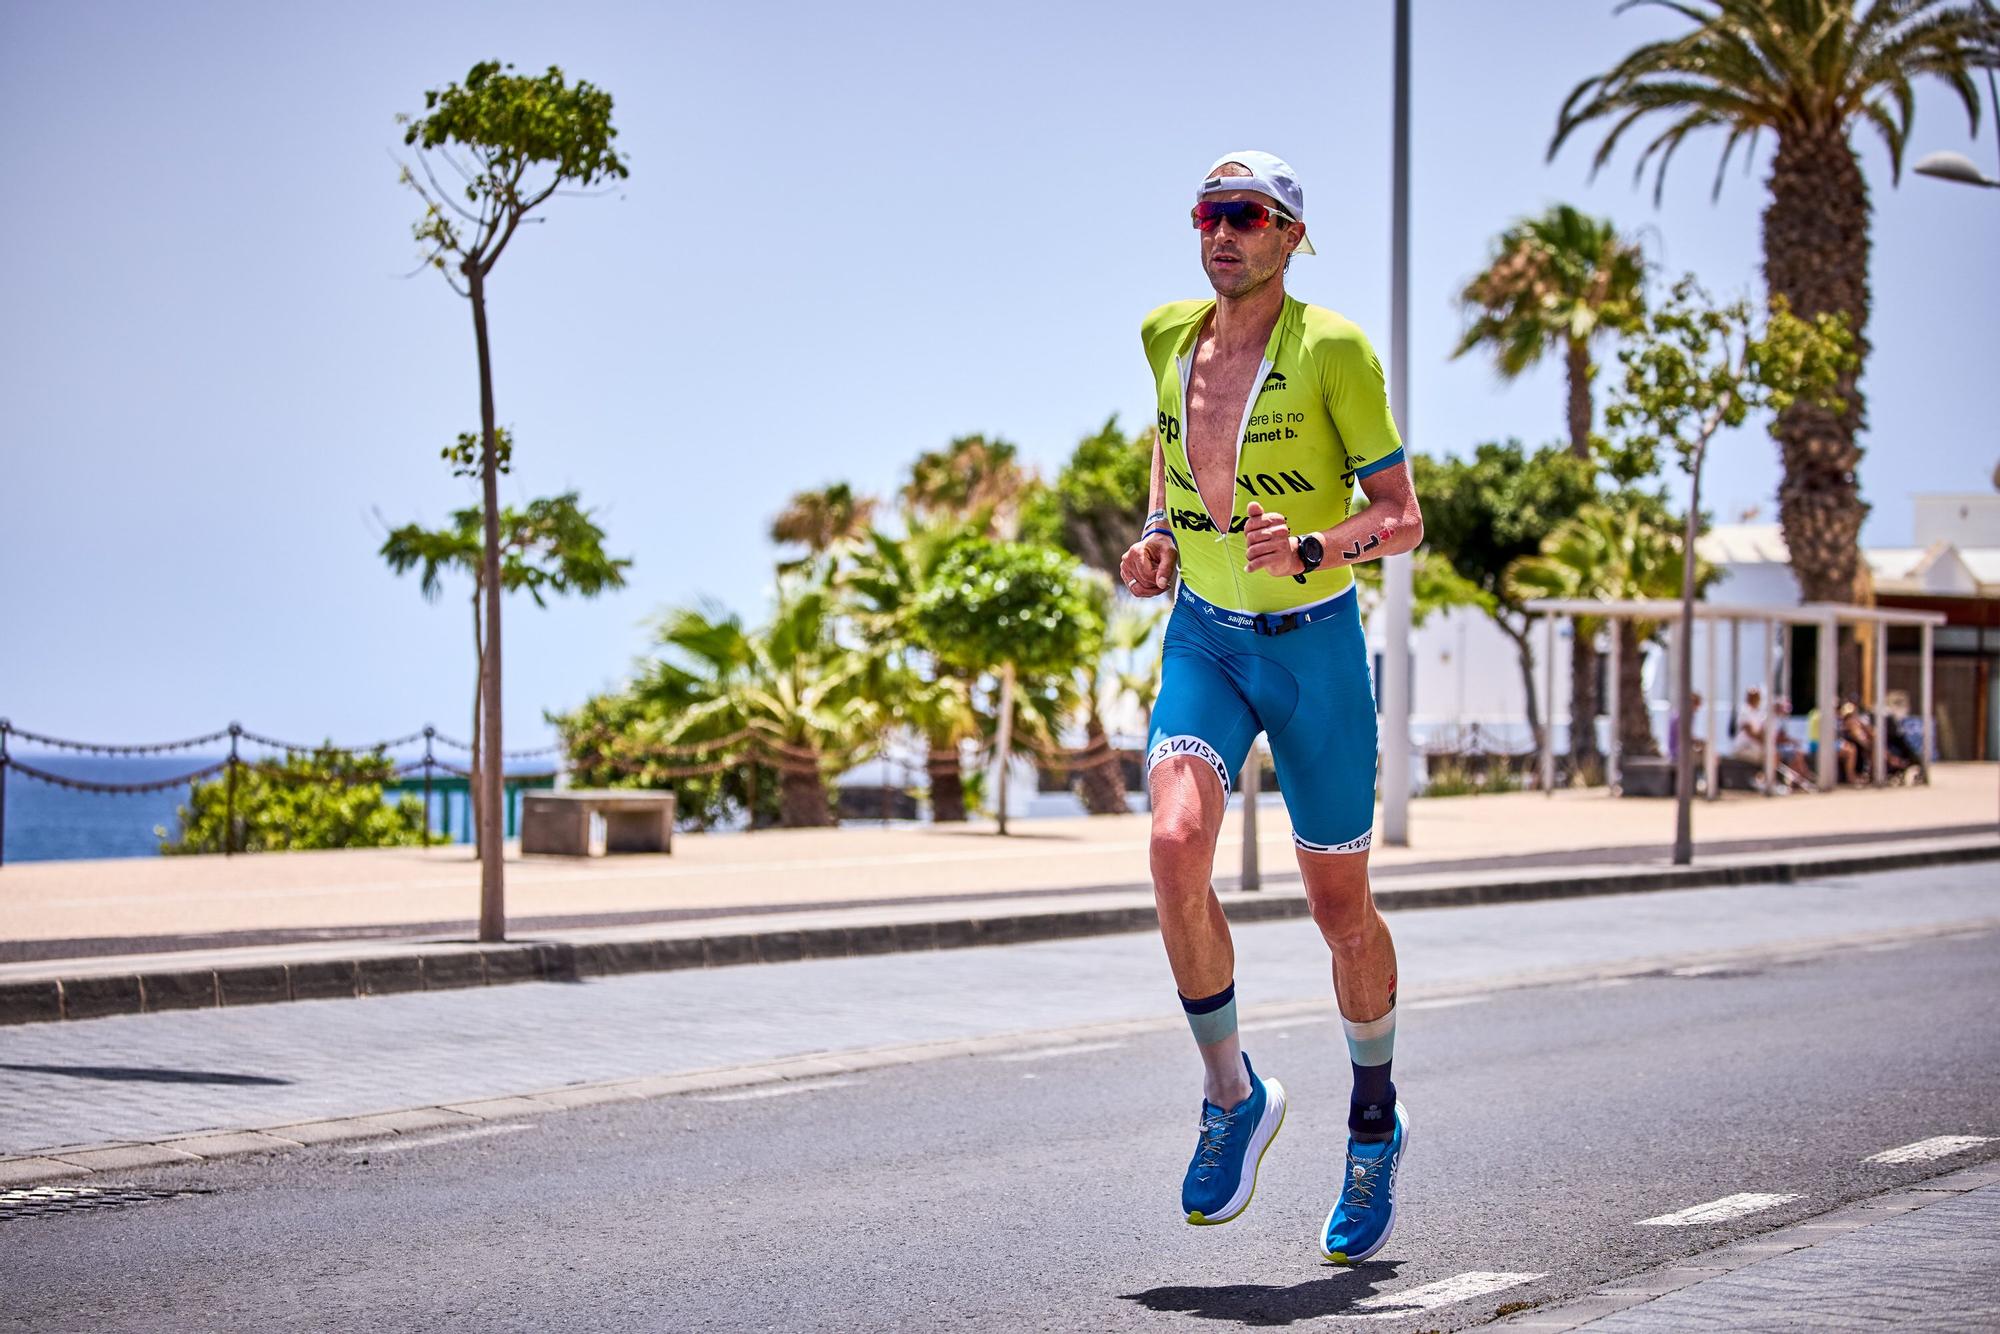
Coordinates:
(634, 821)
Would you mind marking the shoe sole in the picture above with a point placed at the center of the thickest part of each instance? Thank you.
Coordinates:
(1260, 1144)
(1342, 1257)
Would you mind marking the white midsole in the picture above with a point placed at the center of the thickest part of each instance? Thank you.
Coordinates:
(1253, 1157)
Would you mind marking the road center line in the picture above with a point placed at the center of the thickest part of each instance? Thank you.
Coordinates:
(1719, 1211)
(1446, 1002)
(424, 1141)
(1924, 1150)
(1444, 1292)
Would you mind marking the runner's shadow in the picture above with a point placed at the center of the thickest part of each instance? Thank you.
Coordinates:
(1266, 1304)
(143, 1075)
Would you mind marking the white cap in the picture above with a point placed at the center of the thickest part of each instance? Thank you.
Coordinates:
(1269, 175)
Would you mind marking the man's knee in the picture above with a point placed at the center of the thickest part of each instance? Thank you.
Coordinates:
(1187, 809)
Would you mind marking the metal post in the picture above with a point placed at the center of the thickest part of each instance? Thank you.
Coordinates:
(1735, 672)
(1614, 754)
(1711, 759)
(1397, 575)
(1003, 742)
(429, 732)
(1826, 666)
(229, 811)
(1770, 715)
(5, 728)
(1930, 738)
(1878, 760)
(1253, 781)
(1549, 707)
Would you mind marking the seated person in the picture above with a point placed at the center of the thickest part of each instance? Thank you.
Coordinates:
(1752, 725)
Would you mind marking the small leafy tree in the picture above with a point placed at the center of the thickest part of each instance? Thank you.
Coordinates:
(1483, 513)
(1011, 609)
(1697, 368)
(552, 546)
(512, 141)
(1098, 502)
(330, 798)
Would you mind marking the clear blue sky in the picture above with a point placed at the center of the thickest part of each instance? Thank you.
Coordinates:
(851, 232)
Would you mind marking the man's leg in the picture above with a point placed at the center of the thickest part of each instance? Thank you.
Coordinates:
(1188, 806)
(1364, 981)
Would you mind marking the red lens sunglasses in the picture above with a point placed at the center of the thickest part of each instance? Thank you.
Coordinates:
(1242, 214)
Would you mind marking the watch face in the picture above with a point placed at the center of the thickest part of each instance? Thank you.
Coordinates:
(1311, 553)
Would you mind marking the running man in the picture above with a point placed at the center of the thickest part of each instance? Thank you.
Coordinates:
(1272, 417)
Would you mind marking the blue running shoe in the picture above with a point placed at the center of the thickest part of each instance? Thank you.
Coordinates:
(1223, 1175)
(1365, 1214)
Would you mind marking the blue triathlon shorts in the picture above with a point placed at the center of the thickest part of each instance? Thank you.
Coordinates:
(1225, 677)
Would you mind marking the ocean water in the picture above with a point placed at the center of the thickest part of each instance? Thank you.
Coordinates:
(48, 823)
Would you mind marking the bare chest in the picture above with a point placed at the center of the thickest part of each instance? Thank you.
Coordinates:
(1219, 390)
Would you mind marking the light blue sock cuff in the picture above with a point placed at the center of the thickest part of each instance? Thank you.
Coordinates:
(1213, 1018)
(1372, 1043)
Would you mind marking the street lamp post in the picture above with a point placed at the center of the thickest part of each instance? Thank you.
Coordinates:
(1397, 575)
(1957, 167)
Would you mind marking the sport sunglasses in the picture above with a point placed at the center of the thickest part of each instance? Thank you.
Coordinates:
(1242, 214)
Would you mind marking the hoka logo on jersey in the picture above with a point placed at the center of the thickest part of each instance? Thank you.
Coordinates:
(1197, 522)
(1273, 382)
(1284, 483)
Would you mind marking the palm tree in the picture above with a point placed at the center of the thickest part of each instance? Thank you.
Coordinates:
(824, 520)
(1807, 71)
(879, 588)
(973, 481)
(789, 681)
(1563, 279)
(1625, 547)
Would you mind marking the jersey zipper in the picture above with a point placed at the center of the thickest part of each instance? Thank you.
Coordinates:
(1242, 428)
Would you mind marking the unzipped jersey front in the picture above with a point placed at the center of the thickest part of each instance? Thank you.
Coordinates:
(1317, 422)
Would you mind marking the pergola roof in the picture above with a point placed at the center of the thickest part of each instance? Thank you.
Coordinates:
(1669, 609)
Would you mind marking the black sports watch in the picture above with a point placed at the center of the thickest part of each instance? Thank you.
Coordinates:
(1311, 552)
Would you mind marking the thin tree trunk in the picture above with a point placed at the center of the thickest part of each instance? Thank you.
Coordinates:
(1816, 257)
(1583, 656)
(1525, 655)
(492, 870)
(472, 793)
(1684, 682)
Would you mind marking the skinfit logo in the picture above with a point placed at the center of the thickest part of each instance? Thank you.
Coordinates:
(1273, 382)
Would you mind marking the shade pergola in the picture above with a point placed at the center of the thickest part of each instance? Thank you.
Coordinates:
(1826, 617)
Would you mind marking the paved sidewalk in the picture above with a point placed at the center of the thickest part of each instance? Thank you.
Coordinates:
(73, 1090)
(69, 909)
(1925, 1258)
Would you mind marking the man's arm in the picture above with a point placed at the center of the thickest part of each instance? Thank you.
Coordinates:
(1149, 564)
(1392, 524)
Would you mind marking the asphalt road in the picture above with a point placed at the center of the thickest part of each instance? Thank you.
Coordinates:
(1038, 1189)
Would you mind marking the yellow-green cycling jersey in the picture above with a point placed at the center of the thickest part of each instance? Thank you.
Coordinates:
(1317, 424)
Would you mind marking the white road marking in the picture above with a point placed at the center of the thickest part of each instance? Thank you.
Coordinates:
(1457, 1288)
(1699, 970)
(1044, 1053)
(1938, 1146)
(1599, 984)
(424, 1141)
(1446, 1002)
(776, 1090)
(32, 1193)
(1718, 1211)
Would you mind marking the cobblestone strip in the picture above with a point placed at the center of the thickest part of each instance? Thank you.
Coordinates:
(1726, 1289)
(437, 967)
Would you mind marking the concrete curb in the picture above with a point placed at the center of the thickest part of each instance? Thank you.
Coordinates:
(436, 966)
(122, 1157)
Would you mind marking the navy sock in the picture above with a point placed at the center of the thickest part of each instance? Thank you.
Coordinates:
(1371, 1112)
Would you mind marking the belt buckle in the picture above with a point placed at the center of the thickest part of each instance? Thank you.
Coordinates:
(1274, 625)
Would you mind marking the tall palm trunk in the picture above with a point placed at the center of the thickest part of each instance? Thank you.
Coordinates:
(1583, 669)
(1816, 257)
(1635, 720)
(478, 698)
(1103, 780)
(1524, 653)
(947, 782)
(802, 797)
(492, 870)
